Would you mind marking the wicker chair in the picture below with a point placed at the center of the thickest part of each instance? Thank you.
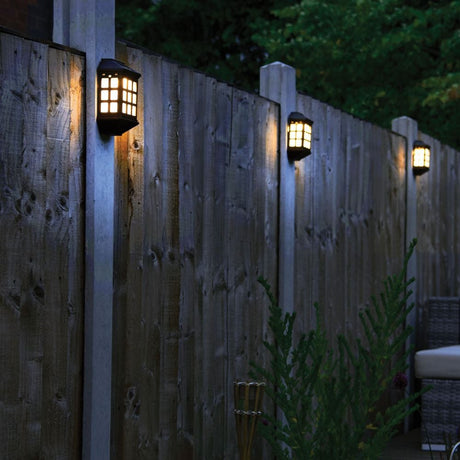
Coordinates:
(439, 366)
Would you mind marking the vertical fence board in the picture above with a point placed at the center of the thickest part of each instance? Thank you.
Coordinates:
(189, 213)
(120, 424)
(242, 246)
(154, 182)
(76, 262)
(200, 167)
(211, 268)
(170, 281)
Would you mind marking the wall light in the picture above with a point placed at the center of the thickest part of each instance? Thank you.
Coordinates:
(420, 157)
(117, 94)
(299, 136)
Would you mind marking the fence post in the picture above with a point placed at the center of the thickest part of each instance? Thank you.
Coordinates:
(89, 25)
(278, 83)
(409, 129)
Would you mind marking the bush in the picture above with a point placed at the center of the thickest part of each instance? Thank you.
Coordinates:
(329, 395)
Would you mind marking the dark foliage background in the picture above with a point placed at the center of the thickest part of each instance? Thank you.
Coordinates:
(377, 59)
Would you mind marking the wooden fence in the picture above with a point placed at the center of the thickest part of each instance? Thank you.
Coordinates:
(197, 225)
(42, 250)
(350, 216)
(197, 221)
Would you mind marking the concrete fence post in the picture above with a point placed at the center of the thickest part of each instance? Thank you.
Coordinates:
(409, 129)
(89, 26)
(278, 83)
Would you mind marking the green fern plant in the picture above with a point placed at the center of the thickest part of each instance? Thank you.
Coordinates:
(328, 397)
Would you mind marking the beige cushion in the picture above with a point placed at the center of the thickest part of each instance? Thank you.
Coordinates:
(438, 363)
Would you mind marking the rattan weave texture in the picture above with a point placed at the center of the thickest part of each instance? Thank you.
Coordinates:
(443, 322)
(441, 412)
(441, 405)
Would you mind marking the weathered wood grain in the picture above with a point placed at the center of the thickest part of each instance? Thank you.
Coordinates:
(207, 223)
(197, 221)
(123, 192)
(24, 196)
(350, 208)
(41, 278)
(252, 235)
(150, 296)
(190, 212)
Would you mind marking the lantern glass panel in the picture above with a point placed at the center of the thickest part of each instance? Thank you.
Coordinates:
(418, 157)
(421, 157)
(307, 136)
(295, 135)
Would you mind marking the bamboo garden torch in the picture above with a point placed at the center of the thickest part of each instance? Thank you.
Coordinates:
(248, 403)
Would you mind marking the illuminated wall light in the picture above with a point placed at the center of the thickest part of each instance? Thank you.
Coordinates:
(421, 153)
(117, 95)
(299, 136)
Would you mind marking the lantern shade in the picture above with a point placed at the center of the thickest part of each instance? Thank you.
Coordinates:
(299, 136)
(420, 157)
(117, 94)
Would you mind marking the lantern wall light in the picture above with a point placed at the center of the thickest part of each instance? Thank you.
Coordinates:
(420, 157)
(299, 136)
(117, 97)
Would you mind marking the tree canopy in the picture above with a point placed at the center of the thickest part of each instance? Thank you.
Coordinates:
(377, 59)
(214, 36)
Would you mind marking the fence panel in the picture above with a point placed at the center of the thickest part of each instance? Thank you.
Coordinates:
(197, 225)
(41, 275)
(350, 216)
